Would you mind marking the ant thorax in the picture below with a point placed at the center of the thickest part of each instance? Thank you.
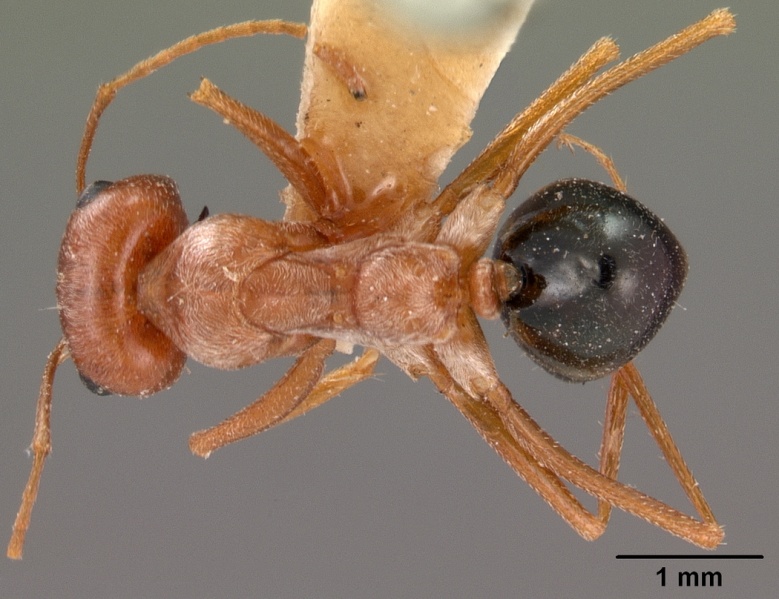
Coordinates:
(240, 282)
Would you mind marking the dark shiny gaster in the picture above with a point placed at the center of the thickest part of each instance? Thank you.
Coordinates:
(600, 273)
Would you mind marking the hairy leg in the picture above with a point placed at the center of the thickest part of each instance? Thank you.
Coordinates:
(41, 447)
(465, 360)
(272, 407)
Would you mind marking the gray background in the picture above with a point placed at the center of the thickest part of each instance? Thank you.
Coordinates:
(386, 491)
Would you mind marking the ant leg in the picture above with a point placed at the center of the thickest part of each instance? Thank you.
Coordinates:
(515, 148)
(629, 378)
(327, 387)
(272, 407)
(488, 423)
(41, 447)
(547, 126)
(543, 476)
(626, 383)
(107, 91)
(335, 383)
(343, 68)
(478, 379)
(706, 533)
(569, 141)
(497, 152)
(289, 156)
(613, 436)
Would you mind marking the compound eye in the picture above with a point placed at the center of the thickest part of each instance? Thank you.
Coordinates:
(600, 274)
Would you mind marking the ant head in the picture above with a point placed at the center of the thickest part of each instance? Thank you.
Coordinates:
(116, 229)
(599, 275)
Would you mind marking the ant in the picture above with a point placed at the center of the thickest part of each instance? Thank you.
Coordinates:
(369, 254)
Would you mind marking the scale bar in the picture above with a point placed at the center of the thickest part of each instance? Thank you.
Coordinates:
(690, 556)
